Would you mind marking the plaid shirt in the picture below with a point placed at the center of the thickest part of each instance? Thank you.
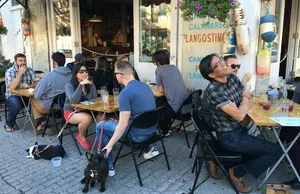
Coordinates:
(28, 77)
(219, 94)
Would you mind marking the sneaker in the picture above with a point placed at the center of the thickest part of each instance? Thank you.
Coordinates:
(111, 171)
(152, 153)
(167, 134)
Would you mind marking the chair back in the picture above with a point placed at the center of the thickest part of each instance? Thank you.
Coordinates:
(3, 88)
(38, 72)
(61, 98)
(146, 119)
(187, 104)
(55, 103)
(197, 101)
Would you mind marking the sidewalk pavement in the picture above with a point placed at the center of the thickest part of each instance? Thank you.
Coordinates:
(21, 175)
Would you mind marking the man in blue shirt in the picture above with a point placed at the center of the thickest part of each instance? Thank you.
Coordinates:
(135, 98)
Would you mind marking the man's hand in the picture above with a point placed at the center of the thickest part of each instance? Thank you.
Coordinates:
(25, 85)
(22, 69)
(246, 78)
(108, 150)
(84, 82)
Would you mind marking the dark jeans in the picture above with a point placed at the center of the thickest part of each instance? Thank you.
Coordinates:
(288, 134)
(15, 104)
(260, 153)
(167, 114)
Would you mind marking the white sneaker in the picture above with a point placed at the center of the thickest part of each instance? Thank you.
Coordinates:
(111, 171)
(168, 134)
(152, 153)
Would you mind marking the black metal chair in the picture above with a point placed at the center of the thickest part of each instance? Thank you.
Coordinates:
(61, 101)
(208, 149)
(21, 114)
(143, 121)
(183, 115)
(38, 72)
(55, 113)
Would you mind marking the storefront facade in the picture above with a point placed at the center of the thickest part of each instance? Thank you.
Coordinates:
(158, 25)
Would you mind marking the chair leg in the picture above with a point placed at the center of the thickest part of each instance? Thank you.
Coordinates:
(194, 144)
(46, 124)
(194, 165)
(197, 174)
(136, 165)
(141, 152)
(75, 141)
(185, 134)
(179, 127)
(165, 153)
(117, 156)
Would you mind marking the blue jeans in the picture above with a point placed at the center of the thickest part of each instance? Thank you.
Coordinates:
(108, 131)
(15, 104)
(261, 154)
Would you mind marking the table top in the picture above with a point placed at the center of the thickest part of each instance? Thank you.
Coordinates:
(155, 91)
(291, 88)
(23, 92)
(261, 117)
(112, 106)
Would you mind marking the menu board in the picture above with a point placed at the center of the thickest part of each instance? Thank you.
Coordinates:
(200, 38)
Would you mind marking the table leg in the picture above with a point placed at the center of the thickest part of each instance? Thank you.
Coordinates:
(285, 154)
(96, 136)
(28, 114)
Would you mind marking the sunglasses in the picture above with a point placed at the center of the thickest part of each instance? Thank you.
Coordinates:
(116, 73)
(233, 66)
(81, 71)
(218, 63)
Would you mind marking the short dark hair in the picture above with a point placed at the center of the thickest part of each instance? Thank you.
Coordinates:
(19, 55)
(59, 58)
(161, 56)
(122, 57)
(229, 57)
(205, 66)
(124, 67)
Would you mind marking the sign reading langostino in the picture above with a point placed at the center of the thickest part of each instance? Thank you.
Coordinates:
(200, 38)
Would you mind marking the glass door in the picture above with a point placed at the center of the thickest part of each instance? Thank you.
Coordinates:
(64, 27)
(155, 24)
(293, 62)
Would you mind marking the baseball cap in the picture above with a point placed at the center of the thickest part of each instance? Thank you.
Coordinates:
(80, 57)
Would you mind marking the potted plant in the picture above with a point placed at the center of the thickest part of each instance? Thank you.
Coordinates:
(3, 30)
(4, 65)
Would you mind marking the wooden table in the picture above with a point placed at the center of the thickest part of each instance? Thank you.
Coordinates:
(155, 91)
(29, 93)
(291, 88)
(261, 117)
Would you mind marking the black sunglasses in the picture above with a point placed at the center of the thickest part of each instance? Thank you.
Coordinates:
(116, 73)
(218, 63)
(81, 71)
(233, 66)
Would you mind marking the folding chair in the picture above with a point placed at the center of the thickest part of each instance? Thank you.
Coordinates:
(183, 115)
(3, 91)
(55, 113)
(208, 149)
(61, 101)
(143, 121)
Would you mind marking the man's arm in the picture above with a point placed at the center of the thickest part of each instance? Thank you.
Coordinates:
(160, 89)
(15, 82)
(119, 131)
(238, 113)
(41, 89)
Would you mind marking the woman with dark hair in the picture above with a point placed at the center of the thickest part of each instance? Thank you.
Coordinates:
(77, 90)
(103, 75)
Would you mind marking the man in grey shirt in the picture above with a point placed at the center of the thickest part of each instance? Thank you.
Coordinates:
(169, 82)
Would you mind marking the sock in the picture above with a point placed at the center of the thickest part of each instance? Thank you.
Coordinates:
(239, 171)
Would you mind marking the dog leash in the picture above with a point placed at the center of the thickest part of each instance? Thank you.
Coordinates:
(59, 134)
(100, 138)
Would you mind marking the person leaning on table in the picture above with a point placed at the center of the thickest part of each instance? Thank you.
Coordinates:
(51, 85)
(16, 77)
(229, 103)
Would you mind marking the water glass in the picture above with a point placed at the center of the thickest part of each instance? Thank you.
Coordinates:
(116, 93)
(105, 99)
(284, 107)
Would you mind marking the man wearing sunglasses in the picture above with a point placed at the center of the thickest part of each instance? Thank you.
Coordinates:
(229, 103)
(233, 68)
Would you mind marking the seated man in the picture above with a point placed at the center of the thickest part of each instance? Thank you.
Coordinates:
(229, 103)
(288, 134)
(18, 76)
(79, 58)
(52, 84)
(170, 82)
(134, 99)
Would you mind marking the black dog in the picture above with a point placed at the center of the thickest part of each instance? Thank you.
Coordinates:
(48, 154)
(96, 171)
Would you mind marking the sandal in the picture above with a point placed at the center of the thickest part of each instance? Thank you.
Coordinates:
(40, 124)
(8, 131)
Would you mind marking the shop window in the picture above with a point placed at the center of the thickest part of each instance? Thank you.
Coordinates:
(61, 11)
(155, 24)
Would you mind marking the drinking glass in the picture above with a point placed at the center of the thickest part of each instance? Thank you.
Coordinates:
(116, 93)
(284, 107)
(105, 99)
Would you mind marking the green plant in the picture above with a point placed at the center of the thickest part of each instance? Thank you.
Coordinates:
(3, 30)
(218, 9)
(4, 65)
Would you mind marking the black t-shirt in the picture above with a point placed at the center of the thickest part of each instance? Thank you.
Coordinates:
(103, 78)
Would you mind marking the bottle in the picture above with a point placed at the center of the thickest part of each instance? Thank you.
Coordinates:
(284, 90)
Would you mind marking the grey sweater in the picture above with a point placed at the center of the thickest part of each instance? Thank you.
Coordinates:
(74, 96)
(52, 84)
